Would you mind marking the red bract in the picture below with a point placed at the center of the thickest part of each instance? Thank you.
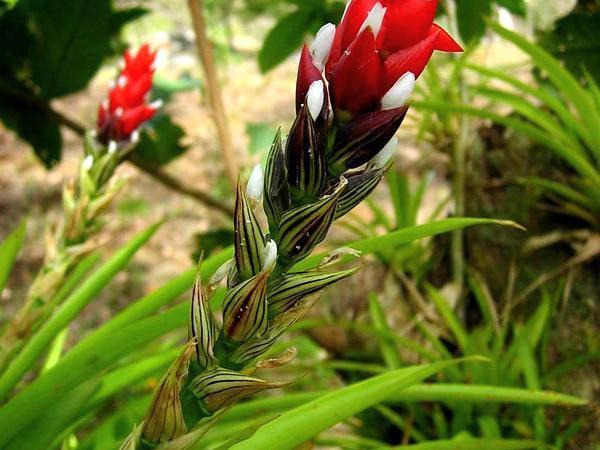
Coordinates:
(370, 52)
(127, 107)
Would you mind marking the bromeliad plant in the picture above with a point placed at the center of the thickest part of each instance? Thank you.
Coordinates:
(120, 117)
(352, 90)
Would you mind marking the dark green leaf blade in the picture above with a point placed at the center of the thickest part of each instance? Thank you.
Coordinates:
(285, 37)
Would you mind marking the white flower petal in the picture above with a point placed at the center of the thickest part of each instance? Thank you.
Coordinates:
(399, 93)
(321, 47)
(135, 136)
(374, 19)
(156, 104)
(270, 255)
(88, 163)
(385, 155)
(112, 147)
(255, 186)
(315, 98)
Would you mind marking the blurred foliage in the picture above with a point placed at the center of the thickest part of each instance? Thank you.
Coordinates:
(52, 48)
(471, 15)
(575, 40)
(160, 142)
(261, 137)
(290, 31)
(49, 49)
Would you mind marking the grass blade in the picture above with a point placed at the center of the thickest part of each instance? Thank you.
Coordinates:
(9, 249)
(450, 319)
(408, 235)
(474, 444)
(300, 424)
(560, 76)
(574, 158)
(69, 310)
(388, 348)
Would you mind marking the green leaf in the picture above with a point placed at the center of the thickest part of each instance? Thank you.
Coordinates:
(122, 17)
(439, 392)
(564, 81)
(303, 423)
(260, 135)
(575, 40)
(475, 444)
(430, 392)
(407, 235)
(285, 37)
(32, 124)
(63, 416)
(578, 162)
(160, 142)
(470, 16)
(69, 310)
(550, 100)
(9, 250)
(517, 7)
(125, 333)
(113, 428)
(135, 328)
(388, 348)
(72, 40)
(164, 88)
(449, 318)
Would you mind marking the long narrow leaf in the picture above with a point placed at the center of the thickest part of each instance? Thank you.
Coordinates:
(474, 444)
(69, 310)
(127, 332)
(434, 392)
(549, 100)
(449, 318)
(408, 235)
(300, 424)
(560, 76)
(9, 249)
(577, 162)
(388, 348)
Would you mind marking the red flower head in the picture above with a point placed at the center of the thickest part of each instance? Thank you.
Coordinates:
(376, 53)
(126, 108)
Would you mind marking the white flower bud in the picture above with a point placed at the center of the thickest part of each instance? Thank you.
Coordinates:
(156, 104)
(321, 47)
(112, 147)
(135, 136)
(374, 19)
(315, 98)
(88, 163)
(270, 255)
(399, 93)
(385, 155)
(255, 186)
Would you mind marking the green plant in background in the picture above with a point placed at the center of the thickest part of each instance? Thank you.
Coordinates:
(465, 402)
(90, 396)
(52, 49)
(518, 352)
(575, 40)
(120, 117)
(564, 125)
